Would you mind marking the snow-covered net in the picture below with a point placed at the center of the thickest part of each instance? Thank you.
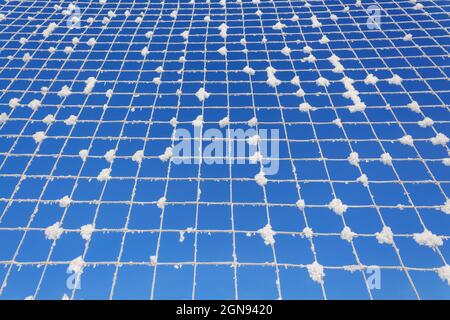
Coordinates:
(340, 189)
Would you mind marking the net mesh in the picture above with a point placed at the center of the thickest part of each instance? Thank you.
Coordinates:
(344, 197)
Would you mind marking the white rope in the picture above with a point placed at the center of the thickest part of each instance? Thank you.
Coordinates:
(149, 86)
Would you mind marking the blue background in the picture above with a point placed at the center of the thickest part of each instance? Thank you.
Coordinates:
(227, 209)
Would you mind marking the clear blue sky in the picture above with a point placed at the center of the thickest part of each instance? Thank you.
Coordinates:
(232, 207)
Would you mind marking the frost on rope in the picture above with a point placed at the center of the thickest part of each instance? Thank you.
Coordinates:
(168, 153)
(110, 155)
(157, 81)
(407, 140)
(427, 238)
(295, 81)
(311, 59)
(202, 94)
(173, 122)
(44, 90)
(414, 106)
(223, 51)
(65, 202)
(34, 104)
(91, 42)
(71, 121)
(90, 84)
(386, 159)
(184, 34)
(39, 136)
(49, 119)
(446, 207)
(68, 50)
(248, 70)
(395, 80)
(14, 103)
(337, 206)
(278, 26)
(271, 78)
(267, 234)
(347, 234)
(49, 30)
(444, 273)
(76, 265)
(353, 159)
(138, 156)
(300, 204)
(305, 107)
(363, 179)
(338, 122)
(286, 51)
(252, 122)
(253, 140)
(261, 179)
(352, 94)
(144, 52)
(371, 79)
(83, 154)
(426, 122)
(256, 157)
(335, 61)
(323, 82)
(440, 139)
(224, 122)
(385, 236)
(408, 37)
(64, 92)
(86, 231)
(316, 272)
(307, 233)
(104, 175)
(161, 203)
(307, 49)
(290, 83)
(54, 231)
(324, 40)
(26, 57)
(315, 22)
(3, 118)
